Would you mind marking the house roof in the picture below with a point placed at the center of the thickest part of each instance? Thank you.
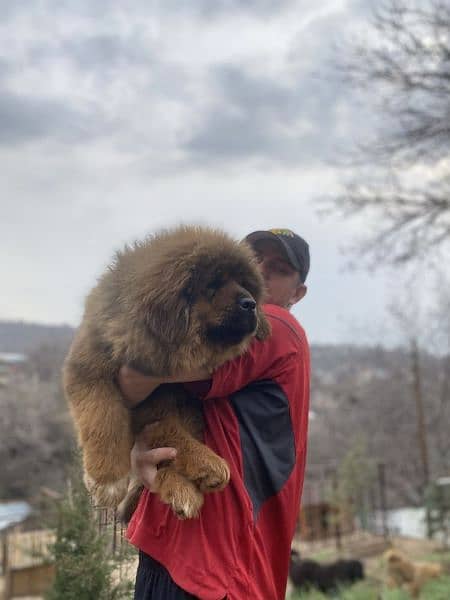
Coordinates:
(12, 358)
(13, 512)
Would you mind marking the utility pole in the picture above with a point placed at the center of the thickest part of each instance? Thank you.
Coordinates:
(421, 427)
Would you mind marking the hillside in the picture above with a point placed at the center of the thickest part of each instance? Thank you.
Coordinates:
(329, 361)
(19, 336)
(358, 394)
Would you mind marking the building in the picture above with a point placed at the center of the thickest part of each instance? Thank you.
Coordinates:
(13, 368)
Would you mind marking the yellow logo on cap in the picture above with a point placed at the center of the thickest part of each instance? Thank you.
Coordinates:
(287, 232)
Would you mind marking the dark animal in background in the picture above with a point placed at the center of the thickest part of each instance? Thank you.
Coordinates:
(325, 577)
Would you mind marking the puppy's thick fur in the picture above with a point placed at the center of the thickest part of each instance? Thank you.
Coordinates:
(180, 301)
(404, 573)
(325, 577)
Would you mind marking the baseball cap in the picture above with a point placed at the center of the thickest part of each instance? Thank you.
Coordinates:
(294, 246)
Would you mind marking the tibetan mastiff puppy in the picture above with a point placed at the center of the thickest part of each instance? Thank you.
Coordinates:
(181, 300)
(409, 575)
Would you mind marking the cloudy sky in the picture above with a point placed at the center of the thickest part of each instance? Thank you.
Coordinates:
(119, 118)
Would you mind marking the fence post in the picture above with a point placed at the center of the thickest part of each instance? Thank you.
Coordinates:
(6, 567)
(383, 503)
(114, 547)
(337, 529)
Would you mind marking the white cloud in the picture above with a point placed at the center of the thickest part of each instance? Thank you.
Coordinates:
(145, 84)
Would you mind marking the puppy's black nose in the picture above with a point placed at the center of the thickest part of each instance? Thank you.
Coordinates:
(247, 303)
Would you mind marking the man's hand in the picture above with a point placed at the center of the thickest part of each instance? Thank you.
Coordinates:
(145, 460)
(135, 386)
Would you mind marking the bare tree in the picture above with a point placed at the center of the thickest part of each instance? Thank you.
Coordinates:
(37, 441)
(403, 68)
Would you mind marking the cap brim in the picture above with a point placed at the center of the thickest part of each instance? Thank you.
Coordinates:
(268, 235)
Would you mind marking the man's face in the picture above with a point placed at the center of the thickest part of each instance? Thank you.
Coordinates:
(283, 283)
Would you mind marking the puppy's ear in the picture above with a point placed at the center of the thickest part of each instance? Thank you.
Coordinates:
(263, 329)
(169, 321)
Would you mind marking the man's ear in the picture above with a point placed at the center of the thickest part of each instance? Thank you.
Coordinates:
(300, 292)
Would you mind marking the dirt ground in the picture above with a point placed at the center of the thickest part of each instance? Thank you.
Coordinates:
(423, 550)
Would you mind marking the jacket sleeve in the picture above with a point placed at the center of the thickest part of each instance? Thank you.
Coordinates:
(266, 359)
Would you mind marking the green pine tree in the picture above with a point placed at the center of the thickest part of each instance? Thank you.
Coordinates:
(83, 565)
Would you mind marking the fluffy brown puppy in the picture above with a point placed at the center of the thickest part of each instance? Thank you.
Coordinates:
(180, 301)
(412, 576)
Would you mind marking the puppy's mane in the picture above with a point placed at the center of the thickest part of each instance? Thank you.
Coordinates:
(143, 304)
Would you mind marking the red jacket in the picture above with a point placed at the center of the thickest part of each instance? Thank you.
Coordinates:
(256, 416)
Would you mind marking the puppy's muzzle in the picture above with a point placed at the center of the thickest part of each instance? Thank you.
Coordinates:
(247, 304)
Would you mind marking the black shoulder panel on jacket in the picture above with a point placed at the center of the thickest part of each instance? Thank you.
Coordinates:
(267, 439)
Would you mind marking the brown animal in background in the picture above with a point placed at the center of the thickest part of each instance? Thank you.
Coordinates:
(182, 300)
(412, 576)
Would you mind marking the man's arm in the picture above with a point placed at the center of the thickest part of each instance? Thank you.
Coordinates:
(136, 387)
(262, 360)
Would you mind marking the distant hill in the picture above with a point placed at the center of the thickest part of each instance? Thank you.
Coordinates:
(328, 361)
(20, 336)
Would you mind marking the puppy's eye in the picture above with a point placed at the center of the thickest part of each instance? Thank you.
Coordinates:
(251, 289)
(212, 288)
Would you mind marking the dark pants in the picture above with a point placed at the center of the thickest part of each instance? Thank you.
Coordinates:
(153, 582)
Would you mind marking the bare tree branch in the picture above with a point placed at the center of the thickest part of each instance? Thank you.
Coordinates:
(406, 71)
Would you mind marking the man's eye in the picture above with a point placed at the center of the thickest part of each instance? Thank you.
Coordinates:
(282, 269)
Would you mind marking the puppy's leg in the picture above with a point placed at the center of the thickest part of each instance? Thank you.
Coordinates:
(392, 582)
(413, 588)
(129, 504)
(195, 461)
(173, 489)
(104, 432)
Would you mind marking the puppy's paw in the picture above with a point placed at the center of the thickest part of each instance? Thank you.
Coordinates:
(212, 474)
(182, 496)
(108, 495)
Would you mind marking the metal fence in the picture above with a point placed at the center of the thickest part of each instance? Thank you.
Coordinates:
(347, 521)
(113, 530)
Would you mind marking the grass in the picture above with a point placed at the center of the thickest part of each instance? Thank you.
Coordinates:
(372, 588)
(442, 556)
(438, 589)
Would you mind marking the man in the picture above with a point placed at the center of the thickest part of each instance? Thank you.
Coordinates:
(256, 414)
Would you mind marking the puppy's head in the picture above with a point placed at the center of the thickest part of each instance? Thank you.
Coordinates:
(225, 300)
(197, 283)
(397, 563)
(393, 557)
